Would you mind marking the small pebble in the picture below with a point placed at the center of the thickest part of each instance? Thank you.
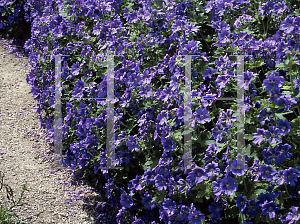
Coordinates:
(23, 108)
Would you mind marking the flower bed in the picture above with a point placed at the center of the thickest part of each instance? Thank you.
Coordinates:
(149, 40)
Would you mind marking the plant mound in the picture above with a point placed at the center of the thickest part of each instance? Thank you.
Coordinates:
(149, 41)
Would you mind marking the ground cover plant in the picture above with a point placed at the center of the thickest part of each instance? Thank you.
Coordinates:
(149, 40)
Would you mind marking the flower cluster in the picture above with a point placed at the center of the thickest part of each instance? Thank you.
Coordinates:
(148, 40)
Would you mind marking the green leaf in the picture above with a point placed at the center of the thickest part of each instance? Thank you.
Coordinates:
(258, 64)
(172, 122)
(147, 165)
(259, 191)
(286, 88)
(248, 120)
(283, 66)
(247, 150)
(158, 198)
(295, 126)
(280, 116)
(93, 39)
(249, 136)
(289, 112)
(287, 92)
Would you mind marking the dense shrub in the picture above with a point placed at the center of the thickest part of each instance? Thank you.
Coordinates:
(149, 40)
(15, 19)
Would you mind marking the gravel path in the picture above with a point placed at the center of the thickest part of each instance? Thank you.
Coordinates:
(23, 154)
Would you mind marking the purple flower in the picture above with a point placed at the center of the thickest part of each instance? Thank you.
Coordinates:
(297, 85)
(78, 89)
(76, 68)
(144, 14)
(284, 126)
(293, 216)
(147, 201)
(226, 117)
(126, 200)
(133, 17)
(247, 222)
(145, 91)
(288, 101)
(217, 187)
(177, 26)
(184, 213)
(125, 156)
(221, 81)
(136, 184)
(277, 97)
(163, 170)
(228, 185)
(259, 136)
(169, 206)
(190, 48)
(136, 79)
(279, 177)
(272, 134)
(85, 51)
(160, 182)
(285, 148)
(218, 131)
(224, 37)
(195, 216)
(257, 105)
(267, 172)
(253, 209)
(290, 176)
(137, 221)
(248, 77)
(273, 81)
(241, 203)
(287, 25)
(207, 73)
(197, 174)
(150, 176)
(216, 211)
(269, 208)
(132, 144)
(168, 145)
(266, 116)
(202, 115)
(212, 169)
(239, 171)
(273, 154)
(183, 185)
(180, 111)
(162, 118)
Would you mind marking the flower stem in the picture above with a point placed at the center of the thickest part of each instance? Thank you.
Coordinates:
(287, 190)
(204, 40)
(245, 185)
